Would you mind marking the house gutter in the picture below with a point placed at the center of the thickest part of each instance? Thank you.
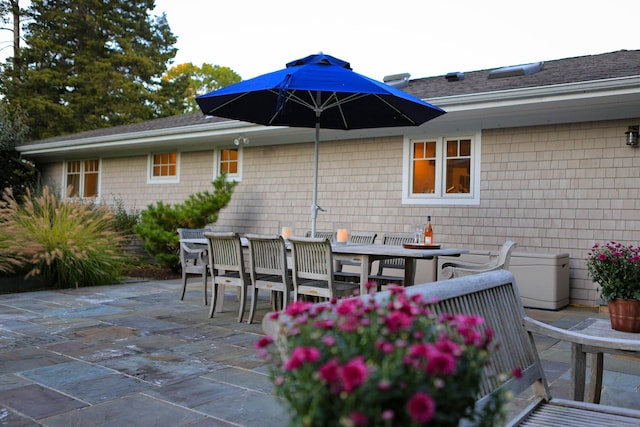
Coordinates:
(533, 95)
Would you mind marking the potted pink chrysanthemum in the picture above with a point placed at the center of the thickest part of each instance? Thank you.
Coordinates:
(360, 362)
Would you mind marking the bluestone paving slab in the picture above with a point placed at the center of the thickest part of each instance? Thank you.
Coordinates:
(62, 373)
(28, 358)
(194, 391)
(244, 378)
(99, 389)
(38, 402)
(135, 410)
(10, 418)
(248, 408)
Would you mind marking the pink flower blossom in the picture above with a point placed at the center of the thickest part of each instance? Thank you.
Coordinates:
(328, 340)
(330, 371)
(359, 419)
(301, 355)
(517, 373)
(421, 407)
(263, 342)
(396, 321)
(354, 373)
(297, 308)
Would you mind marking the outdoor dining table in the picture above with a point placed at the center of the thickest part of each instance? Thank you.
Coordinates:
(368, 253)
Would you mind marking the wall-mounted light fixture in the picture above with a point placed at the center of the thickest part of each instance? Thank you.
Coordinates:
(241, 140)
(632, 135)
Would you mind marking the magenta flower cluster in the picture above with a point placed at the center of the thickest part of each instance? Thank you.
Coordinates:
(616, 268)
(378, 362)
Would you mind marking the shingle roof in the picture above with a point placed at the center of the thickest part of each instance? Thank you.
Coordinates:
(570, 70)
(579, 69)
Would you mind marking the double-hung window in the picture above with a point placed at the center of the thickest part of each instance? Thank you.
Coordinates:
(442, 170)
(82, 178)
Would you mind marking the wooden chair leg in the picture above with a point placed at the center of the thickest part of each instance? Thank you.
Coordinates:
(184, 285)
(204, 285)
(254, 301)
(243, 300)
(214, 298)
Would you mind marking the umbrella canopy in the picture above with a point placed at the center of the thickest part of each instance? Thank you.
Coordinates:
(318, 91)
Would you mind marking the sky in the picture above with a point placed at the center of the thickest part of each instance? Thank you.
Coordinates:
(421, 37)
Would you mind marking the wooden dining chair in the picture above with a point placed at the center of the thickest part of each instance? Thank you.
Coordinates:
(193, 258)
(313, 270)
(268, 270)
(226, 265)
(363, 238)
(383, 278)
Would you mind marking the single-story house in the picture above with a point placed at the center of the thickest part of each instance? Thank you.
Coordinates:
(536, 153)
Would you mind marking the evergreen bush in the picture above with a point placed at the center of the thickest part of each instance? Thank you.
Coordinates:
(159, 223)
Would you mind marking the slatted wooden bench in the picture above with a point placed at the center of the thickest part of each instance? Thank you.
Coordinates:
(495, 297)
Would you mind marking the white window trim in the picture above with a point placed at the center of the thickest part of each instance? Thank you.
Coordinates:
(164, 179)
(65, 184)
(450, 199)
(216, 164)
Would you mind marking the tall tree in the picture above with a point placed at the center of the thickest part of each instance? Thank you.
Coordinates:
(91, 63)
(201, 80)
(10, 13)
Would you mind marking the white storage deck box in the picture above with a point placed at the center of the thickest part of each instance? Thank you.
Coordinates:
(542, 279)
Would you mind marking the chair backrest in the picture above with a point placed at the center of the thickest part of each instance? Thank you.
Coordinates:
(225, 251)
(267, 255)
(362, 237)
(312, 261)
(331, 235)
(191, 251)
(504, 257)
(395, 239)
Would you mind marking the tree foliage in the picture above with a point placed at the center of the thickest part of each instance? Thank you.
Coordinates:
(15, 173)
(201, 80)
(92, 63)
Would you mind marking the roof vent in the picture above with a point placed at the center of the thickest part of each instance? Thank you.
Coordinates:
(454, 77)
(517, 70)
(397, 80)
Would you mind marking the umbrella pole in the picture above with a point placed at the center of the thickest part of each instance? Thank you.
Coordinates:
(314, 206)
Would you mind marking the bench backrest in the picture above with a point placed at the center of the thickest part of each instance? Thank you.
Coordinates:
(494, 296)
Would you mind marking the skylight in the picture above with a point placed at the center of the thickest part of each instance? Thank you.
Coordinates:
(517, 70)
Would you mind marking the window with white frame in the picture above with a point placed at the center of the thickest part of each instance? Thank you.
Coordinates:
(442, 170)
(82, 178)
(229, 161)
(164, 167)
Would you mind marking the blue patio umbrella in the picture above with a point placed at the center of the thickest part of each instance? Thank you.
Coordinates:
(318, 91)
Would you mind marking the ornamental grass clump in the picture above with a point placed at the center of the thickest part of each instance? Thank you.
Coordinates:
(67, 243)
(616, 268)
(370, 362)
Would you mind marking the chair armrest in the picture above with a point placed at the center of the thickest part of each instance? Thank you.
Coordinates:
(470, 267)
(540, 328)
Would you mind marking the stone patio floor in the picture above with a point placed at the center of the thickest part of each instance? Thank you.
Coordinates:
(135, 355)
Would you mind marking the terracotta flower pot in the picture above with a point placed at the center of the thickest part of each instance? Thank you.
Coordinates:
(624, 314)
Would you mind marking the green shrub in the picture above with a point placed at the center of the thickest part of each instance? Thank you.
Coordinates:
(125, 220)
(67, 243)
(159, 223)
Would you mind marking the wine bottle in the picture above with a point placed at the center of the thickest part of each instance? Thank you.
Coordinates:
(428, 232)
